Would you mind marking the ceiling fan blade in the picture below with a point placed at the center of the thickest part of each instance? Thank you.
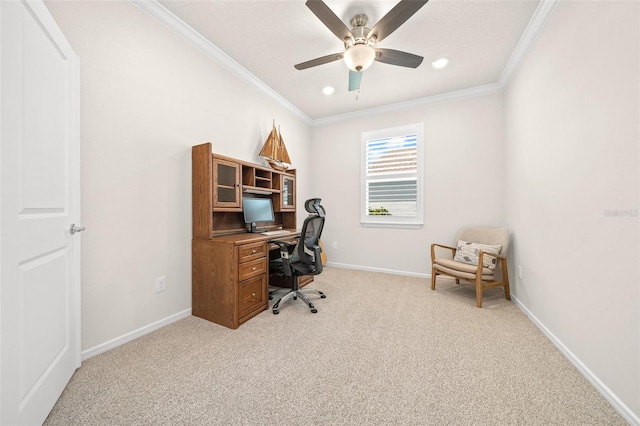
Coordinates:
(396, 17)
(329, 19)
(396, 57)
(319, 61)
(354, 80)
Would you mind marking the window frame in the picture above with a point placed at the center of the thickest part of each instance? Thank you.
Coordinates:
(393, 221)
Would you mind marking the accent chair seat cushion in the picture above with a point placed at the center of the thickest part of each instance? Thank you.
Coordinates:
(461, 270)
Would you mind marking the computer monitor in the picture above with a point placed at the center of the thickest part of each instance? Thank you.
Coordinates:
(257, 209)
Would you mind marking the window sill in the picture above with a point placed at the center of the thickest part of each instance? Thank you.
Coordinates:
(391, 224)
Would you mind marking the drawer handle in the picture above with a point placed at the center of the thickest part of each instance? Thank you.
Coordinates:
(254, 295)
(254, 268)
(253, 251)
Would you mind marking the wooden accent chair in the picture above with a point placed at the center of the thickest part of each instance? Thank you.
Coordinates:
(487, 247)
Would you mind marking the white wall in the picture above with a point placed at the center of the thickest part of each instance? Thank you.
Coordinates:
(571, 116)
(147, 96)
(464, 174)
(569, 124)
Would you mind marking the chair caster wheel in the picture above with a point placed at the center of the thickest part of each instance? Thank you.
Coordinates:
(313, 311)
(276, 312)
(324, 296)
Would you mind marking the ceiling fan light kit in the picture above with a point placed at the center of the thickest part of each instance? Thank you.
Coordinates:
(359, 57)
(358, 41)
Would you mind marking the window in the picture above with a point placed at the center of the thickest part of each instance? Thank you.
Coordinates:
(391, 185)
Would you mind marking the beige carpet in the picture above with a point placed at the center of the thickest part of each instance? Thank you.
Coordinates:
(382, 349)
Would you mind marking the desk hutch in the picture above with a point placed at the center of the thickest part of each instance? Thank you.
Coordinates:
(230, 266)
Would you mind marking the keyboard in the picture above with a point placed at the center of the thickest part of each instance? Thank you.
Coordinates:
(279, 232)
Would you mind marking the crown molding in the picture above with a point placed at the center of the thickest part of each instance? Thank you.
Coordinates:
(429, 100)
(177, 25)
(529, 36)
(534, 28)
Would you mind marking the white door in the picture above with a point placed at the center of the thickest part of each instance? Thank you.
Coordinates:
(39, 185)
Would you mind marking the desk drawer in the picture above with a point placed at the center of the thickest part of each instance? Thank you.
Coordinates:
(252, 251)
(252, 269)
(253, 295)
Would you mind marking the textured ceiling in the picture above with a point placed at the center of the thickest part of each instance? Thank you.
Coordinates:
(269, 37)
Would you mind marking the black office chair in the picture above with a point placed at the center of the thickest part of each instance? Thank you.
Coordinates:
(305, 258)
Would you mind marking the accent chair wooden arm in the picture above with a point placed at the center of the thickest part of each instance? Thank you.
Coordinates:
(433, 250)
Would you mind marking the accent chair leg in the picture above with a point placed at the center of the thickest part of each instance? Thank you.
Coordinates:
(505, 278)
(479, 290)
(507, 291)
(433, 278)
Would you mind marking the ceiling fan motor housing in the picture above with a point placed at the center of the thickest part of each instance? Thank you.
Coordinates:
(360, 32)
(359, 20)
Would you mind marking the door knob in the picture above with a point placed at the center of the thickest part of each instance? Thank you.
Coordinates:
(73, 228)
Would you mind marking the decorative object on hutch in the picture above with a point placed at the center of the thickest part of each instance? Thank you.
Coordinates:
(230, 266)
(275, 152)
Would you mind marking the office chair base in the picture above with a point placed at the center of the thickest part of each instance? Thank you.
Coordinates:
(295, 294)
(279, 290)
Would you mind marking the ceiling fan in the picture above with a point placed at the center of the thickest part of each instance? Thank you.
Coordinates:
(359, 41)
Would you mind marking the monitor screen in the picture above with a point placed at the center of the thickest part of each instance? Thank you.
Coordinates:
(257, 209)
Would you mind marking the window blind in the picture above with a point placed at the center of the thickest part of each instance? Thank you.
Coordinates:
(391, 176)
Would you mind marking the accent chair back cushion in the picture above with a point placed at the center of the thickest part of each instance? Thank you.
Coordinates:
(467, 252)
(484, 235)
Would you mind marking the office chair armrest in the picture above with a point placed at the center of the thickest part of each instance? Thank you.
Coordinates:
(318, 260)
(284, 255)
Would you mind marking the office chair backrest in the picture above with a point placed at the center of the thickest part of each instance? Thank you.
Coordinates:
(313, 206)
(309, 251)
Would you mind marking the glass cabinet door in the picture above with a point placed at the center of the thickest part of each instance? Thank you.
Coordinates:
(288, 193)
(226, 184)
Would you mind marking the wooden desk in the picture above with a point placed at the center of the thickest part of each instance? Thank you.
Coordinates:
(230, 268)
(230, 276)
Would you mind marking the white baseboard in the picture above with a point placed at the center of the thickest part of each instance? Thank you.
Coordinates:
(604, 390)
(371, 269)
(114, 343)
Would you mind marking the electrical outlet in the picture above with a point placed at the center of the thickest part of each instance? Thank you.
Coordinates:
(520, 272)
(335, 245)
(161, 284)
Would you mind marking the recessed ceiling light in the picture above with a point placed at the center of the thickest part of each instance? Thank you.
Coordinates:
(440, 63)
(328, 90)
